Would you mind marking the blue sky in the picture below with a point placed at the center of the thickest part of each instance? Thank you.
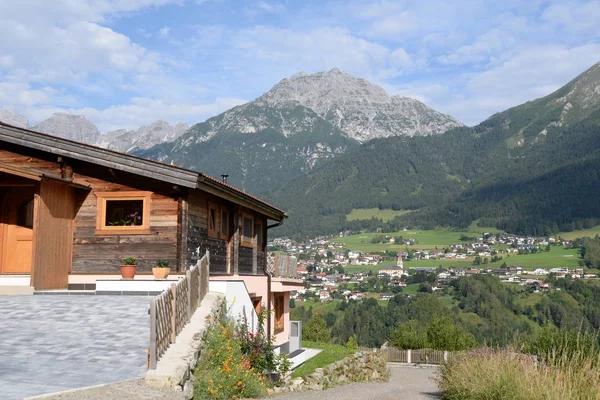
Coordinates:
(125, 63)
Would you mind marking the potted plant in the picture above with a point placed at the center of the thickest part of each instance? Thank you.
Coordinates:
(161, 270)
(128, 268)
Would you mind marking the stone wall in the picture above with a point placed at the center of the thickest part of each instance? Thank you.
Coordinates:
(360, 367)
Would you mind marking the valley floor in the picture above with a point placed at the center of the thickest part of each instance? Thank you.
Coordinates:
(406, 383)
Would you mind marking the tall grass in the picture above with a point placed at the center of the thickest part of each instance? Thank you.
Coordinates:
(488, 374)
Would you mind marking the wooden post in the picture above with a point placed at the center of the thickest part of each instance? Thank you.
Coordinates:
(445, 356)
(153, 333)
(173, 305)
(409, 356)
(237, 223)
(188, 275)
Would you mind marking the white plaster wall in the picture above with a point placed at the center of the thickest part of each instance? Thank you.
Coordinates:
(239, 304)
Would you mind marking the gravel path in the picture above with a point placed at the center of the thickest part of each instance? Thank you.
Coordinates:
(130, 390)
(406, 383)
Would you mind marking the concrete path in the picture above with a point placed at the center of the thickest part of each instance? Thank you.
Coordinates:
(406, 383)
(54, 343)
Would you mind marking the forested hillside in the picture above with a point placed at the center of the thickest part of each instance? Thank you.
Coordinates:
(480, 306)
(532, 169)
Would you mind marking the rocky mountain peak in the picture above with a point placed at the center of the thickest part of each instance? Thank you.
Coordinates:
(69, 126)
(142, 138)
(12, 118)
(362, 110)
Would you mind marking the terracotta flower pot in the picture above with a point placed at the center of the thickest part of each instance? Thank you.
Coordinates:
(161, 272)
(128, 271)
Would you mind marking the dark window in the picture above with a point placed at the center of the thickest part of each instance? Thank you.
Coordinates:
(259, 235)
(224, 224)
(124, 212)
(247, 231)
(212, 220)
(25, 217)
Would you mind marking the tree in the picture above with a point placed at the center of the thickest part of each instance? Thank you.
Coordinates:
(409, 336)
(425, 288)
(292, 303)
(352, 344)
(444, 334)
(316, 330)
(590, 252)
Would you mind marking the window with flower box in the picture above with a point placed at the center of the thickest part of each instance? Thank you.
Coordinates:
(123, 213)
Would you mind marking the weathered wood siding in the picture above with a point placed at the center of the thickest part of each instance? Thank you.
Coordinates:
(198, 241)
(52, 235)
(28, 162)
(178, 221)
(104, 253)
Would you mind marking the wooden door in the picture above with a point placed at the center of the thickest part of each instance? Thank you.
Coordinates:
(17, 231)
(53, 235)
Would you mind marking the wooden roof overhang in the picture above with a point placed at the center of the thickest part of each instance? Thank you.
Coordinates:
(135, 165)
(38, 176)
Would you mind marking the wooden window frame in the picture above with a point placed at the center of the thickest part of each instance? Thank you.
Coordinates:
(279, 323)
(247, 243)
(257, 303)
(224, 235)
(103, 197)
(214, 232)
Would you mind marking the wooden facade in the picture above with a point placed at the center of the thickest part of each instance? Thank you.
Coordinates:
(77, 190)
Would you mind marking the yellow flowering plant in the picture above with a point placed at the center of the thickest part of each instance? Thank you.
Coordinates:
(224, 372)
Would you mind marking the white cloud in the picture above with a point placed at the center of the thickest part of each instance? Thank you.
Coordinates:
(532, 73)
(270, 7)
(574, 17)
(487, 45)
(164, 32)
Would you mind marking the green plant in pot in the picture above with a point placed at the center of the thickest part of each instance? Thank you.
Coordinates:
(161, 270)
(128, 268)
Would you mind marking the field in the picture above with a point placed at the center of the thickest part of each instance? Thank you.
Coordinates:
(368, 213)
(431, 239)
(556, 257)
(583, 233)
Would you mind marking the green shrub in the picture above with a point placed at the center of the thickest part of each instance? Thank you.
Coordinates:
(129, 261)
(316, 330)
(223, 371)
(442, 333)
(553, 344)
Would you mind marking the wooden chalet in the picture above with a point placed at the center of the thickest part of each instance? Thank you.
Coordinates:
(71, 209)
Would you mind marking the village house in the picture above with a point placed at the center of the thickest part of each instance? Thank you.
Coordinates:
(71, 213)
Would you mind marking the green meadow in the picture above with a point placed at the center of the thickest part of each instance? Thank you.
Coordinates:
(426, 239)
(368, 213)
(556, 257)
(582, 233)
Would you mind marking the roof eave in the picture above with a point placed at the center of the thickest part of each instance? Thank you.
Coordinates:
(210, 185)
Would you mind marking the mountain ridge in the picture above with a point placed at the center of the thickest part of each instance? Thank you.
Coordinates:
(467, 174)
(333, 111)
(79, 128)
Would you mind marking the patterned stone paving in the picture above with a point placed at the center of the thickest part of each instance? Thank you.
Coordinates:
(53, 343)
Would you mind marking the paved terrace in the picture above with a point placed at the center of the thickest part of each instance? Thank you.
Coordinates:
(55, 343)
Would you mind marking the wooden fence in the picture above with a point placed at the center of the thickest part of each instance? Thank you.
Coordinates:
(285, 266)
(420, 356)
(172, 309)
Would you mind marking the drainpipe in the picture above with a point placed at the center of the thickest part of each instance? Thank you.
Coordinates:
(269, 281)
